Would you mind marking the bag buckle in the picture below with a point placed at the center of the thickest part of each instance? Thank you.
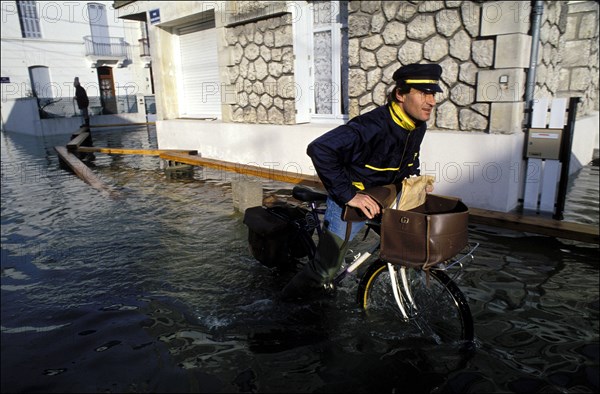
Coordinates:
(404, 220)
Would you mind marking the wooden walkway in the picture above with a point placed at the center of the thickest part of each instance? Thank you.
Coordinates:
(529, 224)
(125, 151)
(261, 172)
(538, 225)
(67, 155)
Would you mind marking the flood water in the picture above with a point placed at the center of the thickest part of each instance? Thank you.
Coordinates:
(155, 291)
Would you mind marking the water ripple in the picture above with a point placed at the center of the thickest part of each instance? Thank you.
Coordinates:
(161, 281)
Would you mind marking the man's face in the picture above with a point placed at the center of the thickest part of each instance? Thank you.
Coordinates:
(417, 104)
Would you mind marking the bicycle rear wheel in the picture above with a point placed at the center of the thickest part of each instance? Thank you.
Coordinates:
(438, 309)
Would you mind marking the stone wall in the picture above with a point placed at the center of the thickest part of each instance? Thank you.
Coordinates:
(262, 70)
(484, 49)
(477, 44)
(551, 47)
(568, 53)
(579, 66)
(385, 34)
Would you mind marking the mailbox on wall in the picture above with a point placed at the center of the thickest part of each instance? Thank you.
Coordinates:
(544, 143)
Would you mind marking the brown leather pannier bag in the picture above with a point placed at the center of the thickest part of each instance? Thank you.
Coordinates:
(426, 235)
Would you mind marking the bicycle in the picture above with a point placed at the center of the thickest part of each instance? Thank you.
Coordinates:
(429, 301)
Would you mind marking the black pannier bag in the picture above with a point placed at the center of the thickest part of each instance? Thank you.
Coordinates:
(272, 236)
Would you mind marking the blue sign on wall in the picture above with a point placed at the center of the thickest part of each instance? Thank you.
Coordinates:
(154, 16)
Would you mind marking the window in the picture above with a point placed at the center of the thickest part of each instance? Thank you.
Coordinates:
(40, 82)
(28, 17)
(330, 43)
(200, 89)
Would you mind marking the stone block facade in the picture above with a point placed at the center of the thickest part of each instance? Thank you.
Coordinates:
(484, 49)
(578, 72)
(402, 32)
(261, 69)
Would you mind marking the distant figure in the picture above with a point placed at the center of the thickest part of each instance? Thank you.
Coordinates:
(82, 102)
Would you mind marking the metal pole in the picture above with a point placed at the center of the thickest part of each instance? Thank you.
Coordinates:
(565, 158)
(538, 10)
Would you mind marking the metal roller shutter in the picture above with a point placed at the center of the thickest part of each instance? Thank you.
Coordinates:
(200, 72)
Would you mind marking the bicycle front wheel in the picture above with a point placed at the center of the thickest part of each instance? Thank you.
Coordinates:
(434, 307)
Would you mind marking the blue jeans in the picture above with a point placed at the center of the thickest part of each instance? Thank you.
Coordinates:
(335, 224)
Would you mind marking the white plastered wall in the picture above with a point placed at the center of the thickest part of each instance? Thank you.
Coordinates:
(485, 170)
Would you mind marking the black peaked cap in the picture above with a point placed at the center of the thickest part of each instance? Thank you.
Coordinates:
(424, 77)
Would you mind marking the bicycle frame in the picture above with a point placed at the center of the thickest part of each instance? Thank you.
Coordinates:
(400, 286)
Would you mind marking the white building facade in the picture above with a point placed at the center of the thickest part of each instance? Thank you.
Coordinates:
(253, 82)
(46, 44)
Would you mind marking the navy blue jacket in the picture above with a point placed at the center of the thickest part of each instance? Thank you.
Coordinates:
(369, 150)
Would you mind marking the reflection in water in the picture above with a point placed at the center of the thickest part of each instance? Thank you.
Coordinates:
(156, 291)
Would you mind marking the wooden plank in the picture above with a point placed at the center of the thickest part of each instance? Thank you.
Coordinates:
(558, 112)
(267, 173)
(550, 169)
(533, 179)
(84, 172)
(540, 113)
(549, 185)
(533, 173)
(127, 151)
(553, 228)
(78, 140)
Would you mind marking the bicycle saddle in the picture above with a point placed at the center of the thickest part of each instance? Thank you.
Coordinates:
(305, 194)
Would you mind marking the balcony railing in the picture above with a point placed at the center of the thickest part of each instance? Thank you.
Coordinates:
(106, 46)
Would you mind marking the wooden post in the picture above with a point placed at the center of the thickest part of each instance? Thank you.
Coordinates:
(78, 139)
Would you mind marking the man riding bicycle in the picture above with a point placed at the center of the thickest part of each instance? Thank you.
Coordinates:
(377, 148)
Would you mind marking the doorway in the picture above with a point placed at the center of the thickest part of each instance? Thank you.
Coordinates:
(107, 90)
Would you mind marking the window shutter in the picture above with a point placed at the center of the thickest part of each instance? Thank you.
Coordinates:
(302, 26)
(200, 72)
(30, 22)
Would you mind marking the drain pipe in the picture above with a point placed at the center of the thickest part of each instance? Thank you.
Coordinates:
(538, 10)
